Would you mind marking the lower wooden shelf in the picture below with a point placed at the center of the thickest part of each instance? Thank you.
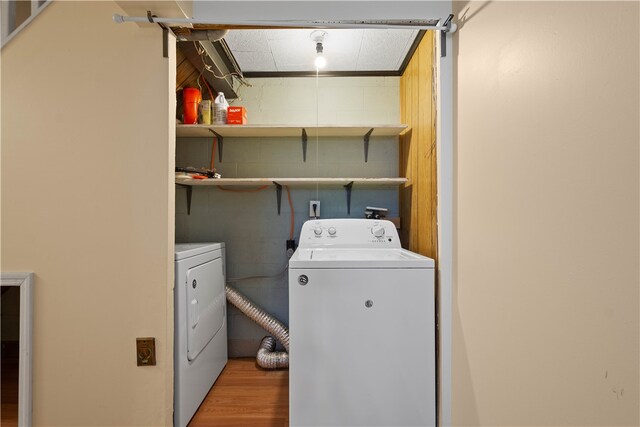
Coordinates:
(278, 183)
(289, 181)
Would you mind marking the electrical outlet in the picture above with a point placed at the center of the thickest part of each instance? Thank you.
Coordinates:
(146, 351)
(314, 209)
(291, 248)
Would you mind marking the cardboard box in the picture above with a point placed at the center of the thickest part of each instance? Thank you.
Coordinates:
(236, 115)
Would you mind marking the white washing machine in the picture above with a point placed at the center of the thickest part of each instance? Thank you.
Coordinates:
(200, 325)
(362, 328)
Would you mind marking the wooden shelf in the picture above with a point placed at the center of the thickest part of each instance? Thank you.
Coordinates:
(301, 131)
(278, 183)
(258, 131)
(289, 181)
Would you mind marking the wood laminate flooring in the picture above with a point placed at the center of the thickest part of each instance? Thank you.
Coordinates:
(9, 392)
(245, 395)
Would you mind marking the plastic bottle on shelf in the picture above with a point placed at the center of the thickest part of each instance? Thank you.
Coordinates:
(220, 106)
(191, 98)
(204, 112)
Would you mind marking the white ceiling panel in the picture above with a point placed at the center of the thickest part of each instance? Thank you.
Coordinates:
(384, 49)
(256, 60)
(345, 50)
(247, 41)
(292, 54)
(343, 41)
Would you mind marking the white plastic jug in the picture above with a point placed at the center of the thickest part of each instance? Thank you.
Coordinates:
(220, 106)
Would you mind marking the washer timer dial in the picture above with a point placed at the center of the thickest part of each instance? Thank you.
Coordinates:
(378, 231)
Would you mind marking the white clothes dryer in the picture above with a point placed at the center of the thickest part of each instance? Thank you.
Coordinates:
(200, 325)
(362, 328)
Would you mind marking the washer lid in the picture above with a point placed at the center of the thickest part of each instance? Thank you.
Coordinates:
(186, 250)
(358, 258)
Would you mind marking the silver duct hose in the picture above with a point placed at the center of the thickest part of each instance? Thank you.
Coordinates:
(203, 35)
(267, 358)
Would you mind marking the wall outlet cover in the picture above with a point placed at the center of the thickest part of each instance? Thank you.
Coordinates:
(314, 209)
(146, 351)
(291, 248)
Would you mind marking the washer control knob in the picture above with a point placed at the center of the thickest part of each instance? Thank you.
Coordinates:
(378, 232)
(317, 231)
(332, 231)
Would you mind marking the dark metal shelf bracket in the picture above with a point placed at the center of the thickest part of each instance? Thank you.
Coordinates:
(165, 42)
(349, 187)
(366, 145)
(304, 145)
(165, 34)
(189, 194)
(220, 141)
(443, 36)
(278, 195)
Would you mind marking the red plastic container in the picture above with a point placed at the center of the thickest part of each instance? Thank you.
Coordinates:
(191, 97)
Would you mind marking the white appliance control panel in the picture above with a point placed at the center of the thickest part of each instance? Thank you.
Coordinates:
(364, 233)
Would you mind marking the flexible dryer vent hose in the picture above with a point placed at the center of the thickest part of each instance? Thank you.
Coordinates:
(267, 358)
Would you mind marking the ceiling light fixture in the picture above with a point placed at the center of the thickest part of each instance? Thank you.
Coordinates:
(318, 37)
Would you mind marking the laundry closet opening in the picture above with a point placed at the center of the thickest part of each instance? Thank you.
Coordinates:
(277, 127)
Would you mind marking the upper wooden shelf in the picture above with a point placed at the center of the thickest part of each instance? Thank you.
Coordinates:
(255, 131)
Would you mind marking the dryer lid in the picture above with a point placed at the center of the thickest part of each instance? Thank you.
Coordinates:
(186, 250)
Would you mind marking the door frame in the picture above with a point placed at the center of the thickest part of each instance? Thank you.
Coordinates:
(445, 177)
(225, 12)
(25, 282)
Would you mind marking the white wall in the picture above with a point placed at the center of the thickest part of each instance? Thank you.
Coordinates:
(248, 223)
(87, 205)
(327, 100)
(547, 194)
